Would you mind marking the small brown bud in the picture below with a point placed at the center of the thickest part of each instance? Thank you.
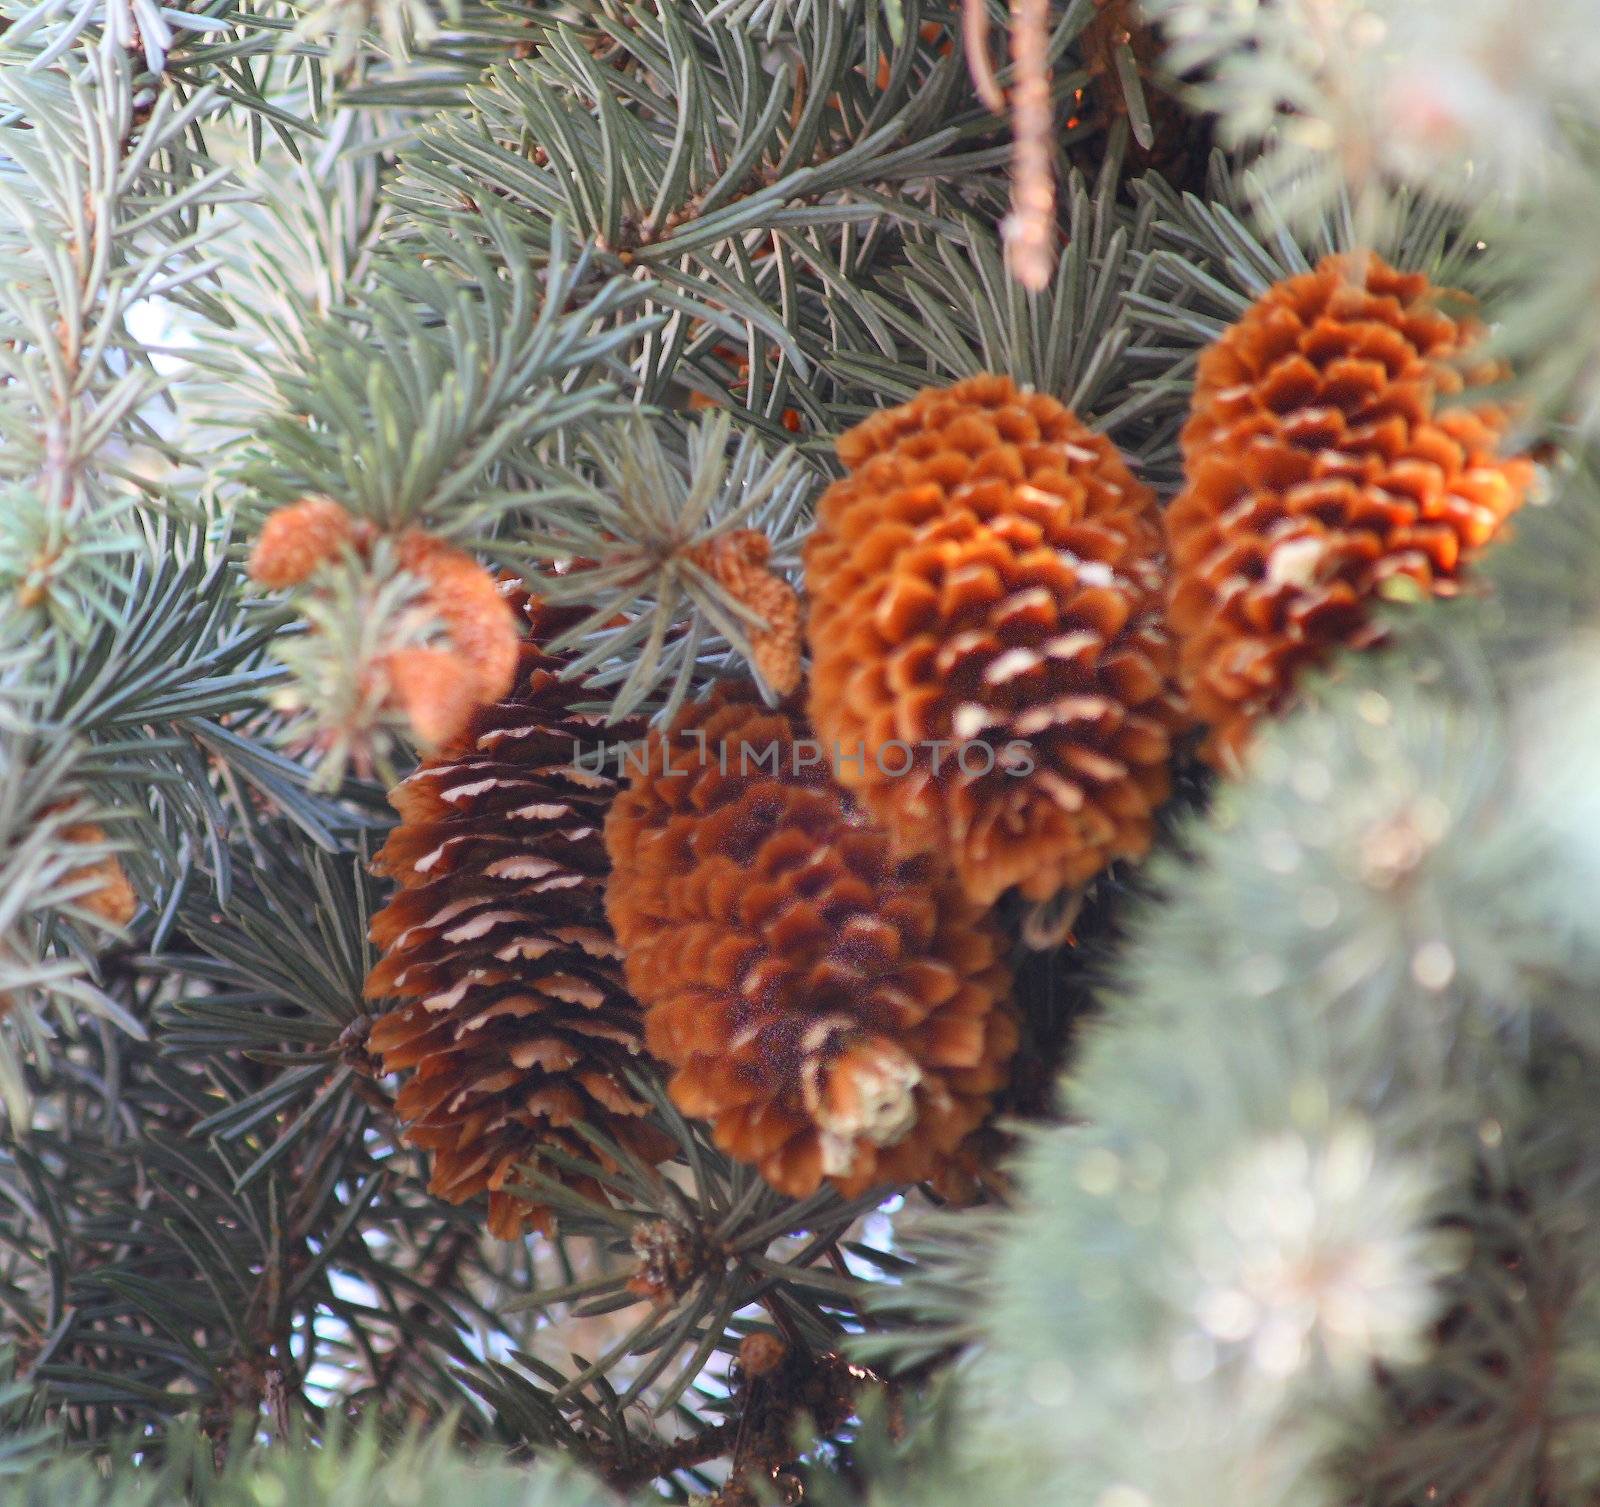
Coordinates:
(470, 604)
(668, 1261)
(112, 898)
(761, 1353)
(297, 539)
(437, 691)
(737, 561)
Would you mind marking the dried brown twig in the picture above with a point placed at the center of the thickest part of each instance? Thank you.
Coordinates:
(1030, 227)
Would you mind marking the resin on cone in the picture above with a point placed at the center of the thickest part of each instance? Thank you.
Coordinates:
(836, 1011)
(1329, 452)
(510, 1016)
(987, 628)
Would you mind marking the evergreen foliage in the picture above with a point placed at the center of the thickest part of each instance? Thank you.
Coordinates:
(1295, 1198)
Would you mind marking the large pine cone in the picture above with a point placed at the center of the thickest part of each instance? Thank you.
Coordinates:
(990, 574)
(1322, 461)
(834, 1010)
(514, 1015)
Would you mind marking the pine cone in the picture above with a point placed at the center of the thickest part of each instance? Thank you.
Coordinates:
(1322, 462)
(513, 1012)
(833, 1010)
(989, 570)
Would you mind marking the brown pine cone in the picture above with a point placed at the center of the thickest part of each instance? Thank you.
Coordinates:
(512, 1017)
(989, 574)
(835, 1011)
(1322, 461)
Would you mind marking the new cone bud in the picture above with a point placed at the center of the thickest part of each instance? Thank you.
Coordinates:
(298, 539)
(470, 604)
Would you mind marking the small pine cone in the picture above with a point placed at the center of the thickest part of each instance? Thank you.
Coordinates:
(436, 689)
(989, 574)
(737, 561)
(470, 604)
(112, 898)
(512, 1016)
(1322, 462)
(834, 1010)
(297, 539)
